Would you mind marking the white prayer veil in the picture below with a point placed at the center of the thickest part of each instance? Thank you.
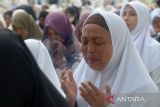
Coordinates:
(44, 61)
(148, 48)
(153, 14)
(125, 72)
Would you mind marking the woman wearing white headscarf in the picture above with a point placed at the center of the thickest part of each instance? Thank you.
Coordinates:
(155, 21)
(44, 61)
(110, 60)
(137, 17)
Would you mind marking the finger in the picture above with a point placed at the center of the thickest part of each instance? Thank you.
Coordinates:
(89, 92)
(63, 73)
(86, 99)
(108, 90)
(88, 89)
(70, 75)
(94, 88)
(63, 86)
(85, 96)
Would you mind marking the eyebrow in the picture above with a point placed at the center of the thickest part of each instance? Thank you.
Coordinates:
(130, 11)
(97, 38)
(93, 37)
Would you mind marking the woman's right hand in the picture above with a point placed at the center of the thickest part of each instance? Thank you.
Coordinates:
(69, 87)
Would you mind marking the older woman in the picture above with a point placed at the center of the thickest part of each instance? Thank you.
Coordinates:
(137, 17)
(110, 62)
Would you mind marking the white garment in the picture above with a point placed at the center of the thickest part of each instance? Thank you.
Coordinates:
(156, 77)
(77, 3)
(148, 48)
(153, 14)
(125, 72)
(44, 61)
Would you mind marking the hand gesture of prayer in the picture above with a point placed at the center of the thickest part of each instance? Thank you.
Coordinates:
(69, 87)
(93, 95)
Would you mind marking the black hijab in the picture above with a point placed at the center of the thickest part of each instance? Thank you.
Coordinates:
(22, 82)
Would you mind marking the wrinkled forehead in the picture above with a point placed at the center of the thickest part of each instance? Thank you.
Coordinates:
(116, 26)
(96, 19)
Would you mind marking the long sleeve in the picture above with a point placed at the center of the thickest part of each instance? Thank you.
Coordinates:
(22, 82)
(155, 75)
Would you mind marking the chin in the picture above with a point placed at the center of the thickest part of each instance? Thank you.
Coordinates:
(95, 68)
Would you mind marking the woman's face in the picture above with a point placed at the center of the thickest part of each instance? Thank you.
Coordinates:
(156, 24)
(96, 46)
(70, 17)
(7, 19)
(53, 35)
(42, 21)
(22, 31)
(130, 17)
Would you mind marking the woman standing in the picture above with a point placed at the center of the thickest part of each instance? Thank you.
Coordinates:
(137, 17)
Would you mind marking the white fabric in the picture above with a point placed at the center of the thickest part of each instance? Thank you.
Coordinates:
(77, 3)
(148, 48)
(156, 77)
(44, 61)
(155, 13)
(124, 1)
(125, 72)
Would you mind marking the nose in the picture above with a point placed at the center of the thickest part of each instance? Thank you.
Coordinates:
(90, 49)
(125, 17)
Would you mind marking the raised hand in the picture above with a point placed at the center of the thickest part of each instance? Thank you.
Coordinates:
(93, 95)
(69, 86)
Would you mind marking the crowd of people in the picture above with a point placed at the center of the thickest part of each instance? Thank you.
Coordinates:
(77, 56)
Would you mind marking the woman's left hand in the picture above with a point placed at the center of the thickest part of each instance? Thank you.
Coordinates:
(93, 95)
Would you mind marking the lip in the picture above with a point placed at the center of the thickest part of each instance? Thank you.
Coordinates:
(129, 27)
(158, 26)
(127, 24)
(92, 60)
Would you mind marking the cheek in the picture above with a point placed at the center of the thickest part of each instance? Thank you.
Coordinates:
(83, 50)
(23, 34)
(156, 25)
(106, 55)
(134, 22)
(19, 32)
(50, 37)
